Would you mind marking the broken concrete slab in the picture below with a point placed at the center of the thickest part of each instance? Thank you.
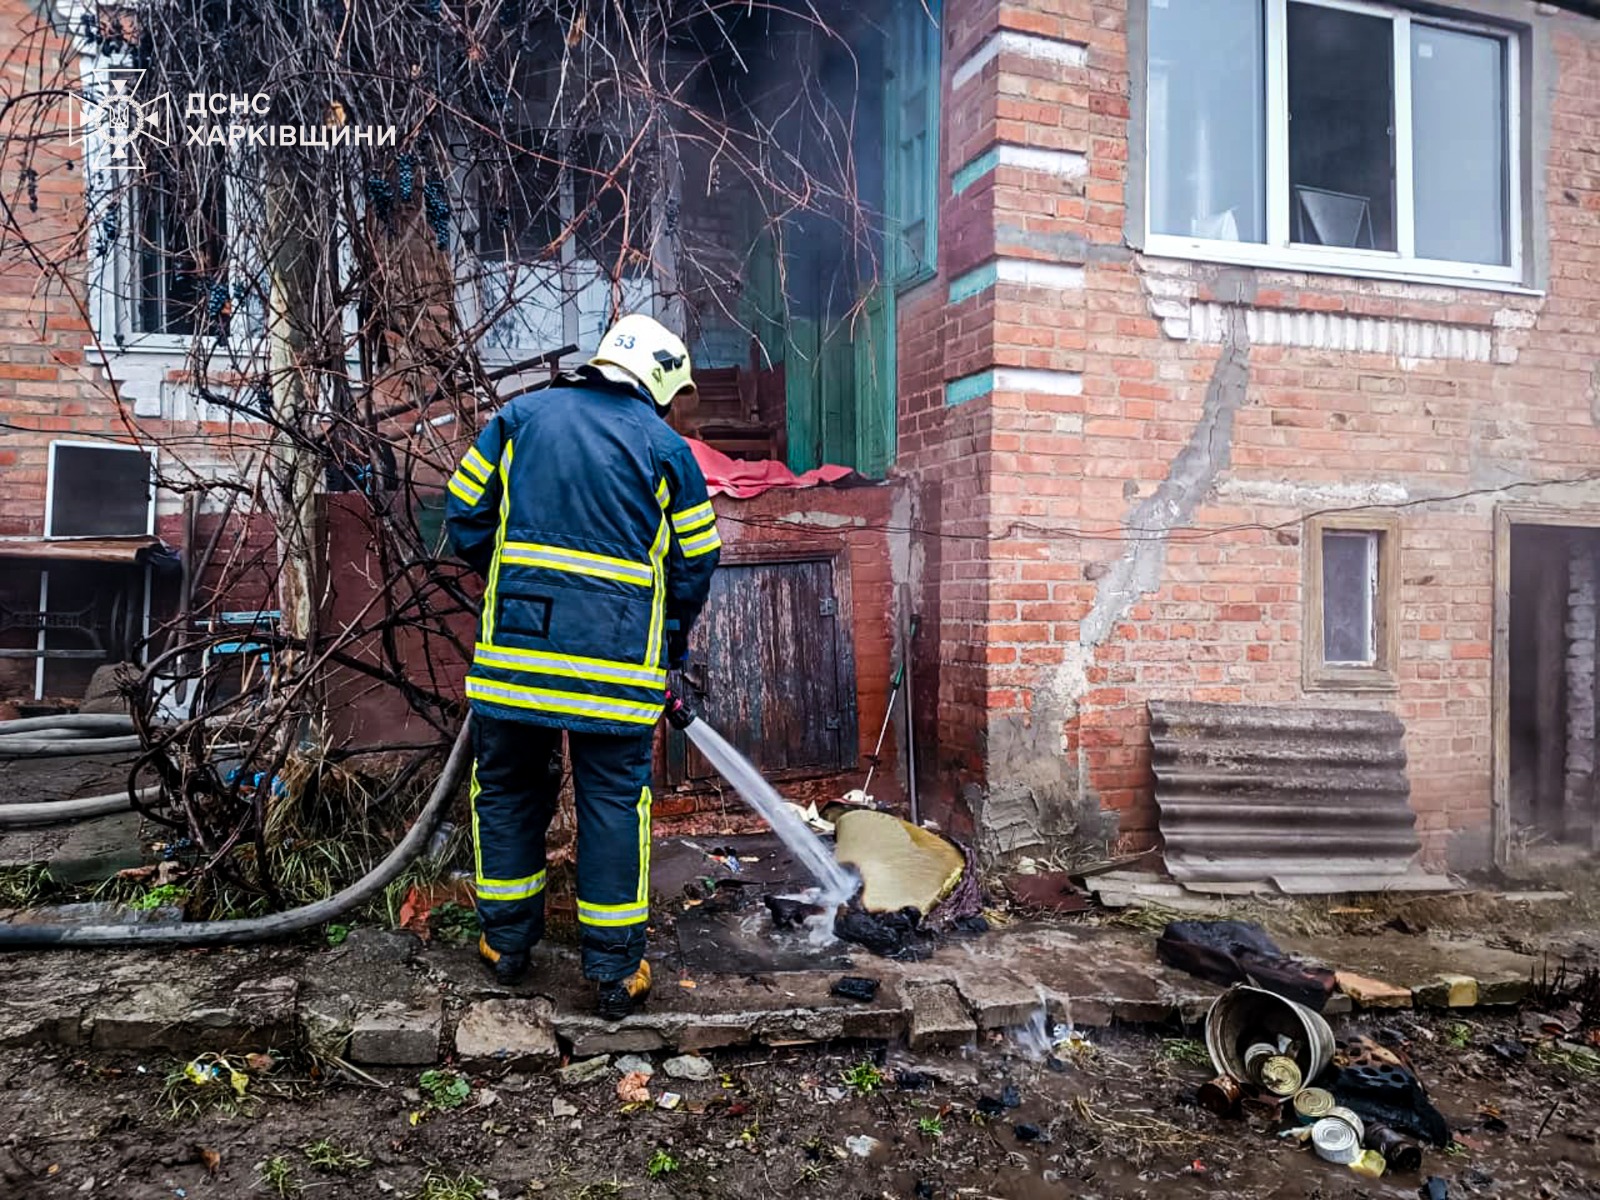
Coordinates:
(999, 999)
(1448, 991)
(938, 1017)
(514, 1033)
(87, 851)
(1420, 961)
(1372, 993)
(397, 1034)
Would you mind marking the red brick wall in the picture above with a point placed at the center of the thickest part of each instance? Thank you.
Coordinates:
(1087, 621)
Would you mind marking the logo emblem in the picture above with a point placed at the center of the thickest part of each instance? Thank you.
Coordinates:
(112, 113)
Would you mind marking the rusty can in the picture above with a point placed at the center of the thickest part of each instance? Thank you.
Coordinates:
(1401, 1153)
(1335, 1141)
(1312, 1104)
(1350, 1119)
(1280, 1075)
(1221, 1096)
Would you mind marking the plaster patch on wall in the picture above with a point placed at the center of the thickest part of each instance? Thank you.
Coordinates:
(1024, 45)
(822, 520)
(1311, 495)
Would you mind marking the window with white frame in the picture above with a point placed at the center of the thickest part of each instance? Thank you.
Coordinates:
(1334, 135)
(558, 222)
(177, 277)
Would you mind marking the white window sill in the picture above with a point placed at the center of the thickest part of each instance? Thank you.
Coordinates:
(169, 344)
(1358, 264)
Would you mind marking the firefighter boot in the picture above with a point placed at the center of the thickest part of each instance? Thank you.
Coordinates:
(509, 966)
(617, 999)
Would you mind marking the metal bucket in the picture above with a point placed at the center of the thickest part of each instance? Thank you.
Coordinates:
(1245, 1015)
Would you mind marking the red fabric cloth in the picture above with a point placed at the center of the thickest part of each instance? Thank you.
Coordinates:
(742, 480)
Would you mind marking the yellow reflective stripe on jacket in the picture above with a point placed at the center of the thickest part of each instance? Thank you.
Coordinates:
(510, 889)
(612, 914)
(701, 543)
(691, 519)
(478, 465)
(572, 666)
(492, 591)
(578, 562)
(464, 488)
(663, 494)
(574, 704)
(658, 599)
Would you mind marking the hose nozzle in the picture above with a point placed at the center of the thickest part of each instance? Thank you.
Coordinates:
(679, 714)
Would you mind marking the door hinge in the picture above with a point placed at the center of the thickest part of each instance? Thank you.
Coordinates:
(829, 607)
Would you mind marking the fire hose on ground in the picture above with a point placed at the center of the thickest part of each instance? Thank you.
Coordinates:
(233, 932)
(67, 735)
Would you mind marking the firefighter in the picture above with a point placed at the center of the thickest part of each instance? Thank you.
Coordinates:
(588, 518)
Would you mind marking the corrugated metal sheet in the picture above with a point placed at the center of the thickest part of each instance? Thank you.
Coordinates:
(1311, 799)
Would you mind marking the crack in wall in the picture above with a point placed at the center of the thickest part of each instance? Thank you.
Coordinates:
(1207, 454)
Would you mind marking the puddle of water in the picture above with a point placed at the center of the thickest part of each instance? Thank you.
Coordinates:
(836, 885)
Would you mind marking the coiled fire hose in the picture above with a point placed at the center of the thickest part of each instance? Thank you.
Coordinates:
(235, 932)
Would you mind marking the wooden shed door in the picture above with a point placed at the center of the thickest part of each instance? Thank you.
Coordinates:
(772, 669)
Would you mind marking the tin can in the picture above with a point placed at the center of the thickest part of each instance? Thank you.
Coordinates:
(1312, 1104)
(1401, 1153)
(1280, 1075)
(1255, 1056)
(1221, 1096)
(1370, 1164)
(1350, 1119)
(1335, 1141)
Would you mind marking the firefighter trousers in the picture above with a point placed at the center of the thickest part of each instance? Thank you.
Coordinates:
(516, 785)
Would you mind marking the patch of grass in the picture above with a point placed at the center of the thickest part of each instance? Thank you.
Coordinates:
(436, 1185)
(593, 1191)
(1184, 1052)
(336, 934)
(863, 1079)
(24, 887)
(661, 1163)
(277, 1176)
(326, 1155)
(210, 1083)
(1458, 1036)
(165, 895)
(455, 924)
(444, 1089)
(1579, 1060)
(930, 1127)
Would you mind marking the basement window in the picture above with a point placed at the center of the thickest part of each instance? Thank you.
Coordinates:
(1344, 137)
(1351, 593)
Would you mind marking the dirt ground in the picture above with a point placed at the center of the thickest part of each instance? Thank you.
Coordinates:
(1120, 1121)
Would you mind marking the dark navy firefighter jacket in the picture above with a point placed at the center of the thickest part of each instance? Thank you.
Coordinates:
(588, 517)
